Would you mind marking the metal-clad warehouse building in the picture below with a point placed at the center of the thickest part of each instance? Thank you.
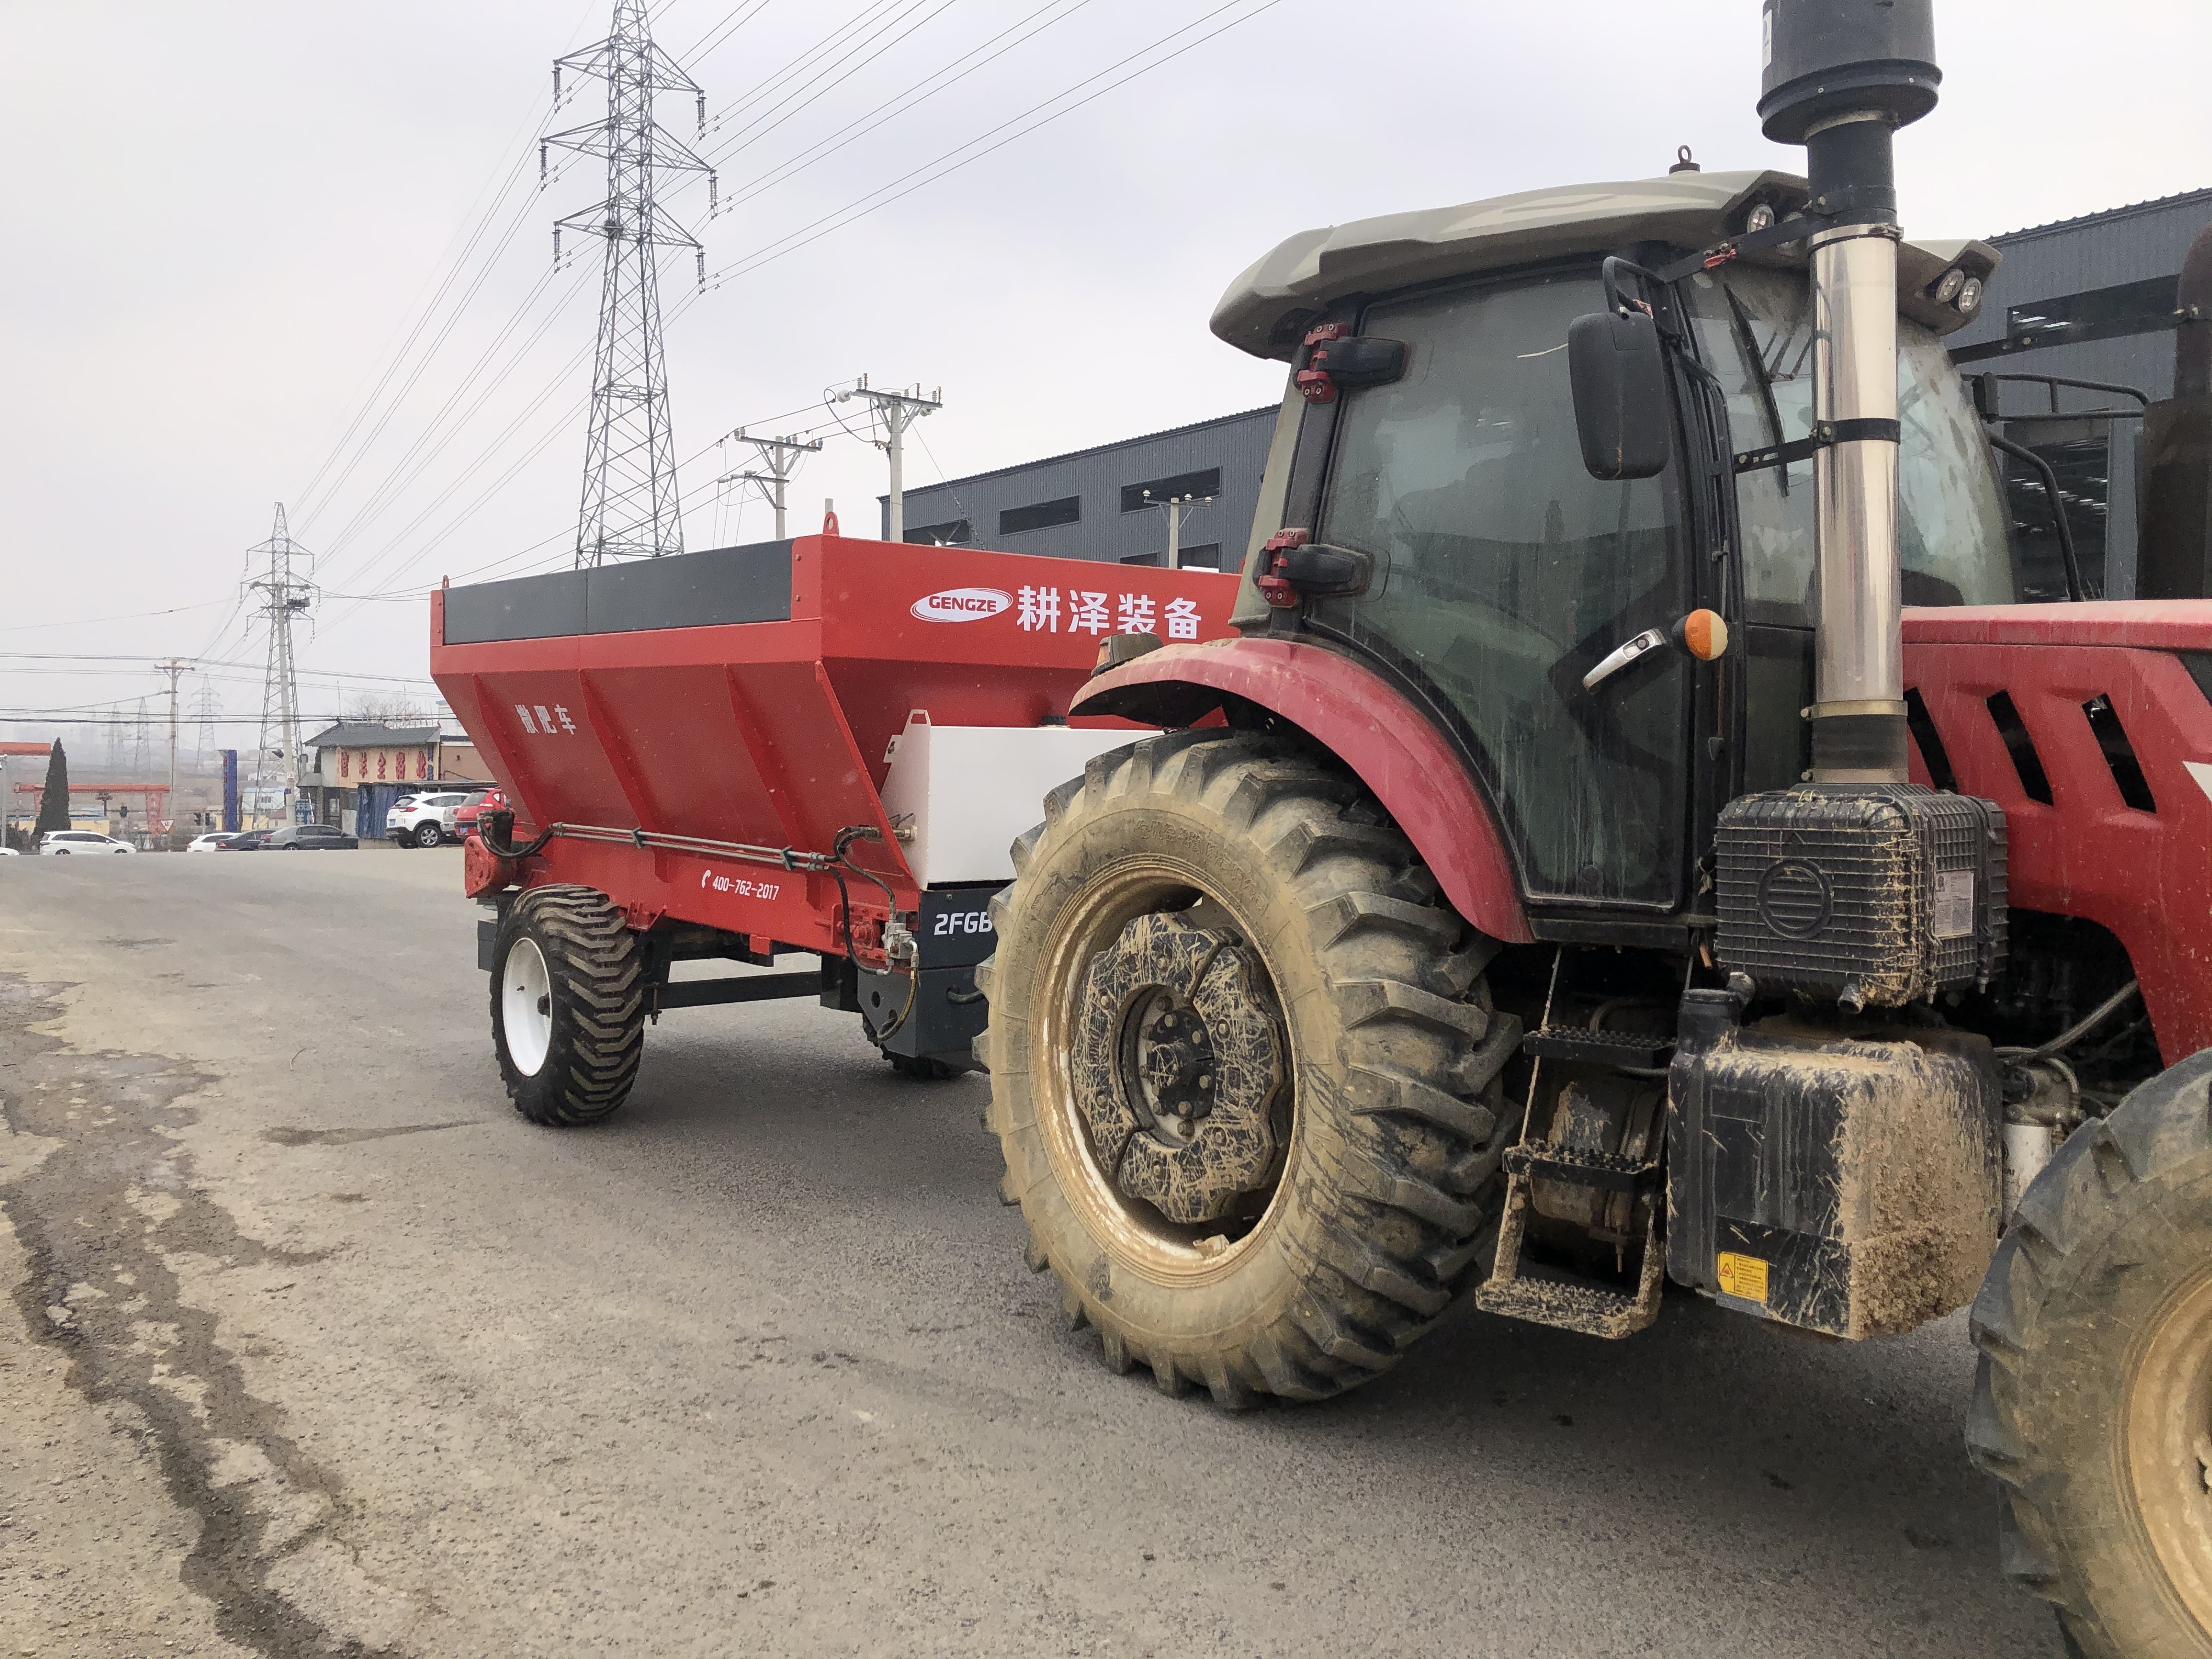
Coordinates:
(2087, 299)
(1092, 504)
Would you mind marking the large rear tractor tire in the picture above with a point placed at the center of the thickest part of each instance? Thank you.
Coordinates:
(568, 1006)
(2093, 1401)
(1243, 1068)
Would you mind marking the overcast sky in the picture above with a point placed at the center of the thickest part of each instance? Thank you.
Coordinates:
(229, 217)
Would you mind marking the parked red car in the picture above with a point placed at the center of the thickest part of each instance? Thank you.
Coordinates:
(464, 818)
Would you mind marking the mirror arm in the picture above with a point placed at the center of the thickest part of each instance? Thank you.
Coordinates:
(1610, 274)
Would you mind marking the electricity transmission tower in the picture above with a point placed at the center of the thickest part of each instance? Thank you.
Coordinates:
(895, 411)
(204, 714)
(780, 456)
(138, 744)
(631, 508)
(285, 594)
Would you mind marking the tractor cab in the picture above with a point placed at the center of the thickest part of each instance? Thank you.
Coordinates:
(1496, 581)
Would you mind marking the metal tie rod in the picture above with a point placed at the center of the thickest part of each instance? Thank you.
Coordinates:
(784, 858)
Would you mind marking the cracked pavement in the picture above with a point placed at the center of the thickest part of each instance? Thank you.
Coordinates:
(313, 1348)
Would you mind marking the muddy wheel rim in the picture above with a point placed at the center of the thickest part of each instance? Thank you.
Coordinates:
(1136, 1235)
(2169, 1443)
(525, 1005)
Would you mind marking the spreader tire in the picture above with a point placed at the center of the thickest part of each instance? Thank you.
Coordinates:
(1386, 1134)
(2092, 1403)
(568, 1006)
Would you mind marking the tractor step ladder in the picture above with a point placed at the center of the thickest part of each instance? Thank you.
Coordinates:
(1546, 1296)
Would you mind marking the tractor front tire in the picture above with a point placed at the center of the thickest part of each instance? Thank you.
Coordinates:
(568, 1006)
(1243, 1068)
(2092, 1401)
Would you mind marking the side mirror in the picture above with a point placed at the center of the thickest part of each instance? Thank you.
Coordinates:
(1618, 375)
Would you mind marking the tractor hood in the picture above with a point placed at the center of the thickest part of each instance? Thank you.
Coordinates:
(1268, 309)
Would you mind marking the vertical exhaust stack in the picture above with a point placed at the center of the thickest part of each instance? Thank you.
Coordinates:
(1839, 77)
(1858, 886)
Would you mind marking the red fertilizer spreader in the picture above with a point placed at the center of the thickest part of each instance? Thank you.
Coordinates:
(824, 745)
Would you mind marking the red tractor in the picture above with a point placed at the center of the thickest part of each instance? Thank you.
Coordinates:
(1637, 837)
(1626, 833)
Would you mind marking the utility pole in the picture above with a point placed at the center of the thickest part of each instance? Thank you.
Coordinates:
(1175, 505)
(780, 456)
(173, 668)
(896, 411)
(284, 595)
(630, 506)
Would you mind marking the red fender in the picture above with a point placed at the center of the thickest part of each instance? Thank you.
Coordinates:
(1402, 759)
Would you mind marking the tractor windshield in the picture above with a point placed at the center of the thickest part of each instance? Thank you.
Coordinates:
(1755, 332)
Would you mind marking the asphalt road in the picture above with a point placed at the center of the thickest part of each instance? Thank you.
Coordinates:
(316, 1348)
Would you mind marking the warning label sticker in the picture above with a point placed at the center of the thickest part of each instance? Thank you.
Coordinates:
(1954, 903)
(1743, 1277)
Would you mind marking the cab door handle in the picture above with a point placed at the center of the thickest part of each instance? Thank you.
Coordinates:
(1702, 634)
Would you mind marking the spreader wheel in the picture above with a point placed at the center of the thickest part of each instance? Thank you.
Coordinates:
(568, 1006)
(2093, 1401)
(1243, 1068)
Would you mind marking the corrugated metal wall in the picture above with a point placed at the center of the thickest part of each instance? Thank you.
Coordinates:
(2078, 256)
(2097, 460)
(1236, 444)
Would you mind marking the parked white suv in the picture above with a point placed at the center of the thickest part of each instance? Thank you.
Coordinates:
(60, 843)
(426, 820)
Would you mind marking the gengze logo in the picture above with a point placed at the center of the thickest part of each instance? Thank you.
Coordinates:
(962, 604)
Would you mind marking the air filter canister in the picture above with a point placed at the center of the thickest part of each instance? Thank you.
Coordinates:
(1877, 896)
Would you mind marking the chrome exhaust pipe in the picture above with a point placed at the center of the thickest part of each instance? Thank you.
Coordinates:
(1840, 76)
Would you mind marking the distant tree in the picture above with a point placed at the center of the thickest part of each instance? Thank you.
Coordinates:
(384, 708)
(54, 805)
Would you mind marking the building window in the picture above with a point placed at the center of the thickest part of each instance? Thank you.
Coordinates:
(1043, 516)
(1205, 556)
(953, 532)
(1140, 559)
(1200, 484)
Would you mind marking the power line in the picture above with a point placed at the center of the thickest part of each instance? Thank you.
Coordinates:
(712, 38)
(454, 417)
(516, 173)
(930, 172)
(127, 616)
(823, 81)
(909, 98)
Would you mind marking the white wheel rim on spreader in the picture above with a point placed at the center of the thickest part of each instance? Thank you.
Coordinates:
(526, 1007)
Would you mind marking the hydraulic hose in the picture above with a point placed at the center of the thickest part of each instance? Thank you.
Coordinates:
(2074, 1033)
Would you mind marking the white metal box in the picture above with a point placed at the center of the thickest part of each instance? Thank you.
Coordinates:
(958, 795)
